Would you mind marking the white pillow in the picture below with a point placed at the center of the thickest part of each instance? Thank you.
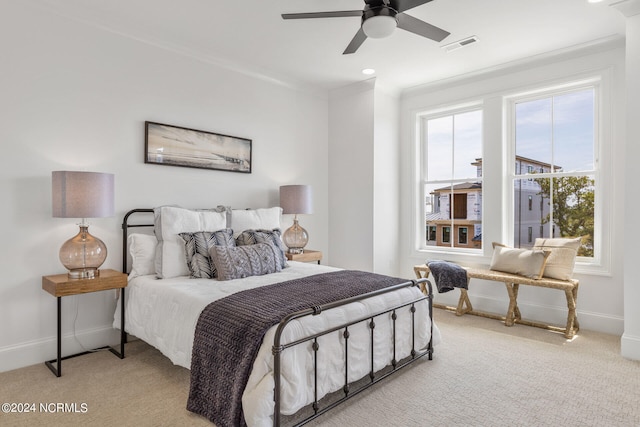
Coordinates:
(563, 256)
(523, 262)
(142, 248)
(255, 219)
(171, 257)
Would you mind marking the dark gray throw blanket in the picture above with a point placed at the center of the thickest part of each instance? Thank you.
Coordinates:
(448, 275)
(230, 331)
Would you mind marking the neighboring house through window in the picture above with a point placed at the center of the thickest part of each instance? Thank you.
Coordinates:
(451, 143)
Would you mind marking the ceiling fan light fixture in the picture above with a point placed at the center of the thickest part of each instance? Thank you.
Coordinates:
(380, 26)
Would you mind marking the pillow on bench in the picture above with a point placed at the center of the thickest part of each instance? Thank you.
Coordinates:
(523, 262)
(562, 258)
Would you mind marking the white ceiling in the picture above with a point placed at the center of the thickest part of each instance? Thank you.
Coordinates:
(251, 36)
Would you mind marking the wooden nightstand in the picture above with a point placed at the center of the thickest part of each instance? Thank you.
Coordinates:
(59, 285)
(307, 256)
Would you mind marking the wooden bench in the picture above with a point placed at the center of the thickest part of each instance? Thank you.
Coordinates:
(512, 282)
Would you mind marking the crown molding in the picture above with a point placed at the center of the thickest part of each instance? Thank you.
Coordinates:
(628, 8)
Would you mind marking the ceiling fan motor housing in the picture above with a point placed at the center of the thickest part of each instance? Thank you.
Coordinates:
(379, 22)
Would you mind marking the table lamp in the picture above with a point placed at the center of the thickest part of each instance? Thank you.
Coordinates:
(296, 199)
(82, 195)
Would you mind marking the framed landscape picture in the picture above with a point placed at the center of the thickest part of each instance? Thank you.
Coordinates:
(178, 146)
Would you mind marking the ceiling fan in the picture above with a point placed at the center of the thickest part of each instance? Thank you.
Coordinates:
(379, 19)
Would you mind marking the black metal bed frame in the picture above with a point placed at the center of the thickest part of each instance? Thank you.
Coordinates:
(278, 347)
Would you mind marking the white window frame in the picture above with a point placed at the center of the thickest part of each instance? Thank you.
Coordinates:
(497, 190)
(420, 118)
(600, 263)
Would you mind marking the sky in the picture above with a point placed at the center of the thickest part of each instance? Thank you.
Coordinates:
(461, 133)
(558, 130)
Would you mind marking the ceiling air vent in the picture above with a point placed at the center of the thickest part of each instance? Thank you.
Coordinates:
(460, 43)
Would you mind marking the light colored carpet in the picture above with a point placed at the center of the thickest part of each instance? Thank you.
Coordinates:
(483, 374)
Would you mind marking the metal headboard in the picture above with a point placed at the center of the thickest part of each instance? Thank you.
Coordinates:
(126, 226)
(125, 233)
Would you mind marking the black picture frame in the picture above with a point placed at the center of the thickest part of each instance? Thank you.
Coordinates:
(170, 145)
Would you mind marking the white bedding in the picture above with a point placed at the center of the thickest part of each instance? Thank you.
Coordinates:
(164, 313)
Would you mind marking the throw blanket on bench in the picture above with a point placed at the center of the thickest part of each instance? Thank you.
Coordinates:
(448, 275)
(230, 331)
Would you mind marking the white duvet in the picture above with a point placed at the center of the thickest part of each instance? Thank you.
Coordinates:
(164, 314)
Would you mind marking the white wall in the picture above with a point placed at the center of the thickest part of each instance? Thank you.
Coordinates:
(75, 97)
(386, 196)
(600, 299)
(631, 339)
(351, 173)
(364, 178)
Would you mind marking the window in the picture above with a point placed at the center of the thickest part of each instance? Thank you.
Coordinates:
(555, 137)
(431, 233)
(462, 235)
(446, 234)
(450, 147)
(547, 163)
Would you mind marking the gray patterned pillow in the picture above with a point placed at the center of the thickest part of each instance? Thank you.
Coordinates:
(244, 261)
(252, 237)
(197, 247)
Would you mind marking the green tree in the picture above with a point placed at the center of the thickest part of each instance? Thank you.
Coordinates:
(573, 201)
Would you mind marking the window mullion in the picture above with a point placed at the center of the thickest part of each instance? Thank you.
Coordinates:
(451, 196)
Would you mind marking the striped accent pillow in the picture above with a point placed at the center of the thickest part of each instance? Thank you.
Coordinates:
(197, 247)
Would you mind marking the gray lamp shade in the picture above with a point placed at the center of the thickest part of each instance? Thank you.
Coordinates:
(82, 194)
(296, 199)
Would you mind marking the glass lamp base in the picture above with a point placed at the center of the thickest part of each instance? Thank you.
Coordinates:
(295, 238)
(84, 273)
(83, 254)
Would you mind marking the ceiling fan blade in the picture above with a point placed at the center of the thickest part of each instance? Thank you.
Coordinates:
(356, 42)
(421, 28)
(334, 14)
(404, 5)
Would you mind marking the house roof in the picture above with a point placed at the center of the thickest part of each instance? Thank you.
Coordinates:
(458, 187)
(478, 162)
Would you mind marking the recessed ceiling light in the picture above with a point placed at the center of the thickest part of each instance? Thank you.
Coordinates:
(594, 1)
(368, 71)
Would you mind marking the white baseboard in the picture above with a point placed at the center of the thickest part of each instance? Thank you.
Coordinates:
(630, 347)
(591, 321)
(34, 352)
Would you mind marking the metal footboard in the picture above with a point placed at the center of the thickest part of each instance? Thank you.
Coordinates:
(374, 378)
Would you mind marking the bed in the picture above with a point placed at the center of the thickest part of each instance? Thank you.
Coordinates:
(309, 360)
